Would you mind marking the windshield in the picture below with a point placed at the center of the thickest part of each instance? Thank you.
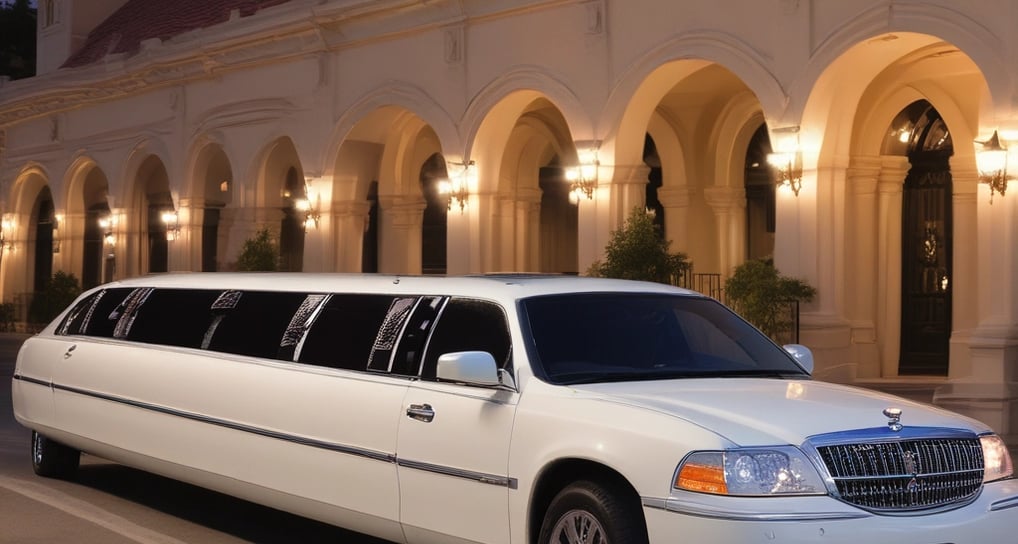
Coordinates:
(603, 337)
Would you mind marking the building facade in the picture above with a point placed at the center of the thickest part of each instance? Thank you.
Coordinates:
(474, 136)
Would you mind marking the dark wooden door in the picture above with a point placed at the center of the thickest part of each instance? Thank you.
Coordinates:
(926, 267)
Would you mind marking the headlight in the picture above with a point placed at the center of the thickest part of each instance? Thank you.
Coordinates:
(996, 459)
(781, 470)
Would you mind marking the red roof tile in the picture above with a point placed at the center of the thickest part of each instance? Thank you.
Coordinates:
(140, 20)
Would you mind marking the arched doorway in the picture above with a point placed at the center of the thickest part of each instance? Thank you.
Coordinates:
(434, 232)
(44, 218)
(291, 236)
(98, 264)
(558, 221)
(655, 181)
(761, 215)
(926, 244)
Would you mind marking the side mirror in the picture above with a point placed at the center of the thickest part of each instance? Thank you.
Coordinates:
(802, 355)
(469, 367)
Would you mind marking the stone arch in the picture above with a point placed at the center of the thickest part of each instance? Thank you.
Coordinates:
(85, 248)
(650, 76)
(524, 141)
(400, 95)
(375, 189)
(934, 22)
(19, 251)
(853, 190)
(511, 92)
(207, 208)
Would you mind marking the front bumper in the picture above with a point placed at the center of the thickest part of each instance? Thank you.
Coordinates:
(991, 518)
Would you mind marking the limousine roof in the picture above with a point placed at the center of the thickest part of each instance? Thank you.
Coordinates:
(496, 286)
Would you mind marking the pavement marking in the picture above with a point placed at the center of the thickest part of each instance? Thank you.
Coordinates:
(87, 512)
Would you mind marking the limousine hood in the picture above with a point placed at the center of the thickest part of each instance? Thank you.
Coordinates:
(771, 411)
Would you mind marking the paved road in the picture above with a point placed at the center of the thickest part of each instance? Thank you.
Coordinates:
(112, 504)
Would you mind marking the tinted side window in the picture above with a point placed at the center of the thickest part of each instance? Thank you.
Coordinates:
(344, 331)
(411, 345)
(98, 314)
(469, 325)
(388, 333)
(74, 321)
(174, 317)
(251, 322)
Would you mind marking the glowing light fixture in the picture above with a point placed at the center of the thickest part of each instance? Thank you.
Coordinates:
(582, 178)
(457, 189)
(991, 160)
(172, 222)
(787, 166)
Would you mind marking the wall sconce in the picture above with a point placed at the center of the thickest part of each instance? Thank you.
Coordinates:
(57, 220)
(312, 212)
(106, 223)
(583, 177)
(7, 232)
(172, 222)
(462, 177)
(991, 161)
(787, 168)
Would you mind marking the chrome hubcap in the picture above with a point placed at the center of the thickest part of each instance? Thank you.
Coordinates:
(578, 527)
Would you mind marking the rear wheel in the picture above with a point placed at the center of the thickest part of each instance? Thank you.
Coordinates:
(53, 459)
(592, 513)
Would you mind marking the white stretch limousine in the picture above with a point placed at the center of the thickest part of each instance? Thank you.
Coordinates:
(499, 409)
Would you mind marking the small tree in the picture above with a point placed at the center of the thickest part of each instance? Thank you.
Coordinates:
(762, 295)
(58, 293)
(638, 252)
(259, 254)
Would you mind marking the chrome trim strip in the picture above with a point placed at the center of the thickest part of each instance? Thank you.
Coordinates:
(302, 440)
(1004, 504)
(481, 477)
(36, 381)
(691, 509)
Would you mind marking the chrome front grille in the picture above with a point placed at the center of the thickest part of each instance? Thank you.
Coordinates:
(907, 474)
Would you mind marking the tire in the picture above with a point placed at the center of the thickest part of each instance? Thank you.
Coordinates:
(53, 459)
(588, 512)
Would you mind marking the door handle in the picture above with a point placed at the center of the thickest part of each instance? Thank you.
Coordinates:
(67, 354)
(421, 412)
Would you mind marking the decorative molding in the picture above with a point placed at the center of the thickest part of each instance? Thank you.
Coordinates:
(54, 128)
(454, 47)
(595, 14)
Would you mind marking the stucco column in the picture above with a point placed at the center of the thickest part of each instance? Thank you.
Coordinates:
(990, 392)
(400, 231)
(675, 201)
(348, 220)
(629, 190)
(527, 231)
(729, 207)
(888, 245)
(965, 266)
(861, 265)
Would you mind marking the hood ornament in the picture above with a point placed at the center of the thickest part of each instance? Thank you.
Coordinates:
(894, 419)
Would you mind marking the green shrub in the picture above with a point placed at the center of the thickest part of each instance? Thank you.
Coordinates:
(259, 254)
(637, 251)
(58, 293)
(763, 296)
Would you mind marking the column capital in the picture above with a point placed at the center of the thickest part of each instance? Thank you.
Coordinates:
(675, 197)
(725, 198)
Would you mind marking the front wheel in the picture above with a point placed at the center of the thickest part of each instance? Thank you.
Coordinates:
(53, 459)
(592, 513)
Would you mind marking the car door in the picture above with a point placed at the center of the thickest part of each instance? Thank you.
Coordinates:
(453, 444)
